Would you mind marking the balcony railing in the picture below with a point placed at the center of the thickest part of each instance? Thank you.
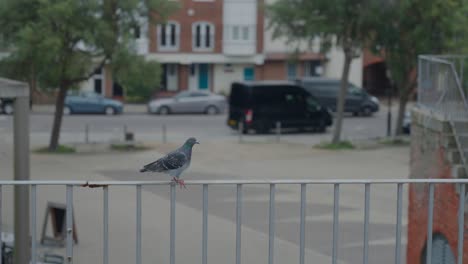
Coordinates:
(72, 186)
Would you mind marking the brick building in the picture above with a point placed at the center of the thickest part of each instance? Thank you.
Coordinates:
(208, 44)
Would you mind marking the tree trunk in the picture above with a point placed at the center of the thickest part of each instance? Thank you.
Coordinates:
(54, 138)
(342, 98)
(401, 112)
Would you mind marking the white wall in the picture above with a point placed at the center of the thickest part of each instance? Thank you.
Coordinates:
(239, 15)
(223, 80)
(334, 67)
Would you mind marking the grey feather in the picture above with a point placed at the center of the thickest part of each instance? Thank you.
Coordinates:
(175, 162)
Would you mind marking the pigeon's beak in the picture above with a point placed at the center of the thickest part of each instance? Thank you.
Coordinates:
(196, 142)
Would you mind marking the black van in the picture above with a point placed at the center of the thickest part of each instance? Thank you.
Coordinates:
(259, 105)
(358, 101)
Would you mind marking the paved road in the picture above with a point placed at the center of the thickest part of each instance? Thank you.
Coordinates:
(149, 127)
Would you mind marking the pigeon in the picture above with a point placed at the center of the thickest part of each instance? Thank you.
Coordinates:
(174, 163)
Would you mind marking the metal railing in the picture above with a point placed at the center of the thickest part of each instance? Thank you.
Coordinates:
(440, 86)
(71, 186)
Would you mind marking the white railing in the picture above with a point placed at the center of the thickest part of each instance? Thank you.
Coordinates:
(71, 186)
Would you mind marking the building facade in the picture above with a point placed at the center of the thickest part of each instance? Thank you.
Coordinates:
(208, 44)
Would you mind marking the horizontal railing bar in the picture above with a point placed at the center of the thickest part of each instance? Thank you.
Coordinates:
(226, 182)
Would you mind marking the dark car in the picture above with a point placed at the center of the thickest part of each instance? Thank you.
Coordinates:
(6, 105)
(358, 101)
(84, 102)
(259, 105)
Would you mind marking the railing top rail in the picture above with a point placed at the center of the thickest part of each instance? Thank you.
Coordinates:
(231, 182)
(435, 59)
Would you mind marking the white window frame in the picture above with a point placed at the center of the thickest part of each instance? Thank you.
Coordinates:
(203, 28)
(168, 46)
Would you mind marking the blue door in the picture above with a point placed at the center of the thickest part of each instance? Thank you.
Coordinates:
(203, 75)
(249, 74)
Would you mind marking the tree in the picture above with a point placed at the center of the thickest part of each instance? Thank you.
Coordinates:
(67, 41)
(412, 27)
(342, 23)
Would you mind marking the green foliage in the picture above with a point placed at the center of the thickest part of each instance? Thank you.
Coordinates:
(409, 28)
(139, 77)
(342, 145)
(61, 43)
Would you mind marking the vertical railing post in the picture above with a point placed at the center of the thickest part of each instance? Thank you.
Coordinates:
(461, 222)
(302, 224)
(33, 224)
(365, 253)
(205, 225)
(86, 133)
(172, 225)
(271, 225)
(430, 213)
(398, 221)
(238, 223)
(69, 222)
(1, 199)
(138, 224)
(105, 225)
(336, 210)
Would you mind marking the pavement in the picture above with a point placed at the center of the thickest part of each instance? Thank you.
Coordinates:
(218, 158)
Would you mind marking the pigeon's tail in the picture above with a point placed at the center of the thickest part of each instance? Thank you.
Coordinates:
(143, 170)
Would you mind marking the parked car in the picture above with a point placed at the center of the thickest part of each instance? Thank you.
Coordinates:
(85, 102)
(358, 101)
(259, 105)
(6, 105)
(189, 102)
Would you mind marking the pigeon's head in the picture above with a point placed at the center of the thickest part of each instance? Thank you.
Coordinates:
(191, 141)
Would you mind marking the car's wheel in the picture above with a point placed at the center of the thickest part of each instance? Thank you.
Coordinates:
(211, 110)
(67, 110)
(8, 108)
(164, 110)
(366, 111)
(321, 127)
(109, 110)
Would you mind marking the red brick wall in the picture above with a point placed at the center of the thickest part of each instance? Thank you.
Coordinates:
(183, 77)
(211, 12)
(260, 24)
(428, 160)
(274, 70)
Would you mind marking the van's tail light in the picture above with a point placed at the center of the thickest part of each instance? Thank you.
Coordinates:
(248, 116)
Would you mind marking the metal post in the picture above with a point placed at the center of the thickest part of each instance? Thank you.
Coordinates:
(106, 225)
(429, 224)
(138, 225)
(172, 225)
(278, 131)
(238, 223)
(205, 225)
(69, 222)
(420, 70)
(271, 225)
(366, 223)
(461, 222)
(398, 225)
(164, 137)
(336, 210)
(21, 172)
(33, 224)
(1, 199)
(302, 224)
(241, 130)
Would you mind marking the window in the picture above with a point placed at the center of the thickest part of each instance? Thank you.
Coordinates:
(203, 36)
(235, 33)
(245, 33)
(311, 68)
(168, 36)
(291, 70)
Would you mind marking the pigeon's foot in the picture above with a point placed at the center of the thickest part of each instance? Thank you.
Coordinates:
(180, 182)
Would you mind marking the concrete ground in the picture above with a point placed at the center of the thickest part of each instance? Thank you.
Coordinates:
(222, 159)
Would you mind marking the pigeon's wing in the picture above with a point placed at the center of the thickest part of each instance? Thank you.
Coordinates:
(171, 161)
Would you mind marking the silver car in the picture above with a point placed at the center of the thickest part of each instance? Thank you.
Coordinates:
(189, 102)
